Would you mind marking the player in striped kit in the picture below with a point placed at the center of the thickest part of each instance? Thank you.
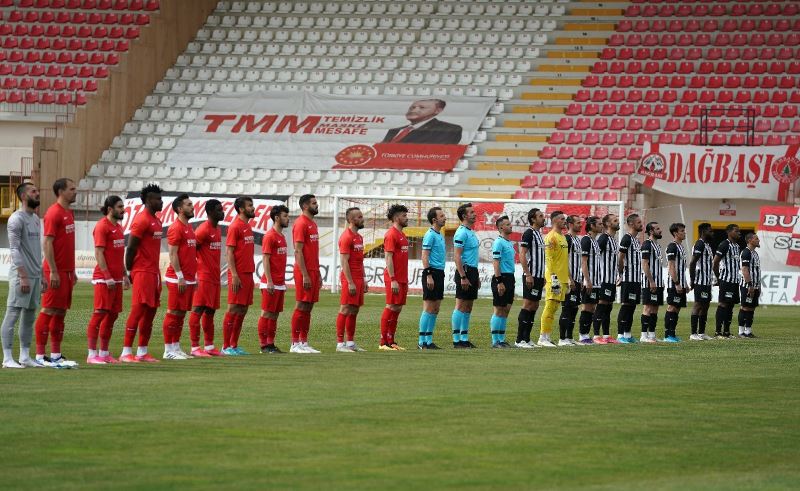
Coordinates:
(726, 269)
(701, 275)
(433, 262)
(503, 283)
(629, 269)
(678, 284)
(652, 282)
(569, 309)
(608, 275)
(531, 258)
(590, 291)
(749, 286)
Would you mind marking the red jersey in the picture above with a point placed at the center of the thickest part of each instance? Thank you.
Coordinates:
(305, 231)
(352, 243)
(59, 223)
(240, 237)
(111, 237)
(274, 244)
(147, 227)
(182, 236)
(209, 249)
(396, 242)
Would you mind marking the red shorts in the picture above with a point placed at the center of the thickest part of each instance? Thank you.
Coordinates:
(272, 303)
(206, 294)
(346, 299)
(177, 300)
(105, 299)
(312, 294)
(61, 297)
(146, 288)
(245, 294)
(400, 297)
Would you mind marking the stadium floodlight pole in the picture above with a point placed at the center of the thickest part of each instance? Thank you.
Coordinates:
(620, 205)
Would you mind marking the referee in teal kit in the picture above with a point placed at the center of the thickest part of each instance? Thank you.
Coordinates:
(502, 282)
(433, 255)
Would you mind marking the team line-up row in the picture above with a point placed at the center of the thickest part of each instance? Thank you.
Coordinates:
(571, 271)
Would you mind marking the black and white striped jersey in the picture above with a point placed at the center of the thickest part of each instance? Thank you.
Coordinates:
(608, 258)
(676, 252)
(632, 271)
(703, 269)
(729, 263)
(750, 259)
(652, 252)
(533, 243)
(575, 271)
(591, 251)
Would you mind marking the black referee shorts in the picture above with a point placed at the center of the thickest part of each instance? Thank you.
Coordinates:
(573, 299)
(437, 293)
(506, 298)
(608, 292)
(729, 292)
(590, 296)
(534, 293)
(702, 294)
(470, 293)
(631, 292)
(751, 302)
(653, 298)
(676, 299)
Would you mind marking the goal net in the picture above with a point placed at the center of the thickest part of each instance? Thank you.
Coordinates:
(376, 224)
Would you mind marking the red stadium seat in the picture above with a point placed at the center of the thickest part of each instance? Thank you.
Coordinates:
(556, 194)
(547, 182)
(530, 181)
(591, 168)
(582, 182)
(600, 182)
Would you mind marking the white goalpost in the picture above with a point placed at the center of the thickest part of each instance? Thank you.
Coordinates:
(374, 208)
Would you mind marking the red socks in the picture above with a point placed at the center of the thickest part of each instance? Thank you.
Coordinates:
(237, 330)
(146, 325)
(228, 325)
(388, 325)
(106, 328)
(93, 329)
(132, 324)
(172, 328)
(42, 330)
(341, 322)
(194, 329)
(266, 331)
(208, 328)
(296, 320)
(56, 333)
(350, 327)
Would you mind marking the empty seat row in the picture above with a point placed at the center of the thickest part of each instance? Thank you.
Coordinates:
(584, 153)
(67, 58)
(58, 44)
(716, 10)
(390, 8)
(709, 25)
(269, 48)
(64, 17)
(68, 71)
(689, 96)
(374, 37)
(69, 31)
(680, 110)
(699, 40)
(47, 84)
(695, 82)
(567, 182)
(703, 68)
(574, 167)
(571, 195)
(132, 5)
(443, 25)
(40, 97)
(712, 54)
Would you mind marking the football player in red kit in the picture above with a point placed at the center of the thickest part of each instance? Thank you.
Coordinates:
(273, 281)
(240, 246)
(109, 278)
(307, 279)
(142, 260)
(395, 276)
(180, 277)
(351, 252)
(205, 301)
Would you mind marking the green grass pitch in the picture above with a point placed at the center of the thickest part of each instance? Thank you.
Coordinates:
(714, 415)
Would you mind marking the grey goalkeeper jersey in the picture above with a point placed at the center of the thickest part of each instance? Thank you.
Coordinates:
(25, 242)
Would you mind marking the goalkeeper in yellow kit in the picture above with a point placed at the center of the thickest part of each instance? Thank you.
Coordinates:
(556, 274)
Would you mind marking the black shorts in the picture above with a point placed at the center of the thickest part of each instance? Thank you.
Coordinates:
(676, 299)
(630, 292)
(590, 296)
(728, 292)
(470, 293)
(650, 298)
(534, 293)
(608, 292)
(508, 297)
(573, 299)
(438, 285)
(751, 302)
(702, 294)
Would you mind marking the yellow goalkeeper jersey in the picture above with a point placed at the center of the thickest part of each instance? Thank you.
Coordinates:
(556, 260)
